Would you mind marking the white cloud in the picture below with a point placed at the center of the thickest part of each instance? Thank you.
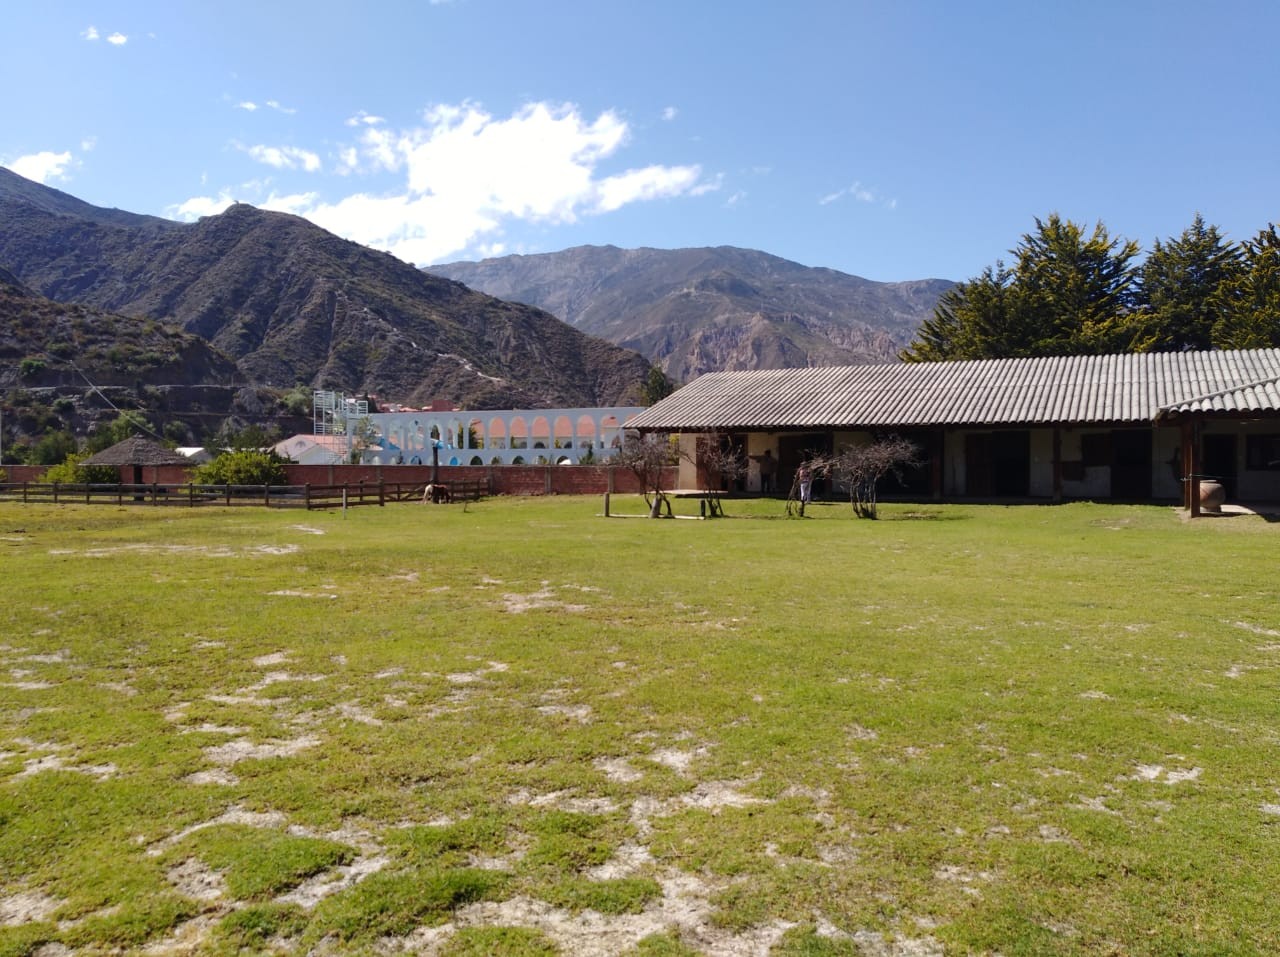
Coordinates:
(364, 119)
(285, 157)
(116, 39)
(652, 182)
(247, 105)
(275, 105)
(42, 167)
(296, 203)
(88, 143)
(670, 113)
(858, 193)
(462, 175)
(199, 206)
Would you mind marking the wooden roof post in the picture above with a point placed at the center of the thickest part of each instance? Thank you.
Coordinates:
(1057, 463)
(1190, 466)
(937, 462)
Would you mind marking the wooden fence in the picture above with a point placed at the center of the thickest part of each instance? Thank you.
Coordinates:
(271, 496)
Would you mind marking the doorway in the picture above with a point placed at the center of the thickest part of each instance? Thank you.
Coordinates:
(1220, 461)
(1131, 465)
(998, 464)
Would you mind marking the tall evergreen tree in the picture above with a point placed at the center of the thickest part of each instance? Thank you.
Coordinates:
(973, 320)
(1068, 294)
(1181, 288)
(1078, 290)
(1249, 304)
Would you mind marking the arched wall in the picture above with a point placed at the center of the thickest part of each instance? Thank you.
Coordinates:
(503, 435)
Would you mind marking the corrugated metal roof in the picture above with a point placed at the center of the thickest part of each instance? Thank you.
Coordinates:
(1053, 389)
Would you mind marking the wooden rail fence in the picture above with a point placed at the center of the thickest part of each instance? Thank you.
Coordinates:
(270, 496)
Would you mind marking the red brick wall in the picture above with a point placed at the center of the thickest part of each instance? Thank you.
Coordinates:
(502, 479)
(23, 473)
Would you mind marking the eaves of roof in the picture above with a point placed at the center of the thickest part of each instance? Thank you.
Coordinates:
(1048, 390)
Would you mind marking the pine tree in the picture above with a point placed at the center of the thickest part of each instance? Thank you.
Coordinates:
(1182, 283)
(1078, 291)
(1249, 304)
(1067, 294)
(977, 319)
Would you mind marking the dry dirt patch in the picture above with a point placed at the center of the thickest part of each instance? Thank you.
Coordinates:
(27, 908)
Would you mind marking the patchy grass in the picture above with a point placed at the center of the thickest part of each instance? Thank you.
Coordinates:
(522, 728)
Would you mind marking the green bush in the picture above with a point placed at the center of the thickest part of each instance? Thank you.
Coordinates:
(72, 471)
(52, 448)
(243, 467)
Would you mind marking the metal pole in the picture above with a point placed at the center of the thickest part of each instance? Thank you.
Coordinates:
(435, 463)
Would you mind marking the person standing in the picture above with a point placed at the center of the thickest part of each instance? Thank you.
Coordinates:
(768, 468)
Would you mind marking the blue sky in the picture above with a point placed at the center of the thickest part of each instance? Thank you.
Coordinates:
(891, 140)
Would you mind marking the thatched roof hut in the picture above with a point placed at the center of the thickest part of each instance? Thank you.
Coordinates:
(136, 453)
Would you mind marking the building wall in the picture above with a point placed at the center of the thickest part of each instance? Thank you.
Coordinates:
(1081, 476)
(1041, 477)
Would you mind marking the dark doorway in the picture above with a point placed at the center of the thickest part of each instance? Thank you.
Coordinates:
(794, 449)
(998, 464)
(1131, 465)
(1220, 460)
(1011, 464)
(915, 481)
(977, 465)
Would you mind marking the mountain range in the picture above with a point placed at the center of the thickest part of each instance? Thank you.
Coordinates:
(710, 309)
(228, 316)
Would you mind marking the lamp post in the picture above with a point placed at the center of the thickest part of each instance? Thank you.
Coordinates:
(435, 461)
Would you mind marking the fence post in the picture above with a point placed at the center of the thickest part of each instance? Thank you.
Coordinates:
(266, 496)
(227, 489)
(306, 495)
(191, 495)
(382, 493)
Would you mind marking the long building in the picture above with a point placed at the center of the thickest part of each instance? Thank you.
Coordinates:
(1134, 427)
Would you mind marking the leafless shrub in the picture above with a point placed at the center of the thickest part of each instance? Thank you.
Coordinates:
(860, 469)
(648, 456)
(719, 463)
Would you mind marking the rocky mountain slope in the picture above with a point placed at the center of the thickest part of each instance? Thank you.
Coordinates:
(293, 304)
(706, 309)
(69, 366)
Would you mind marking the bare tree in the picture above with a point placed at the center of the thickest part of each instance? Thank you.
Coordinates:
(861, 467)
(648, 456)
(815, 466)
(719, 463)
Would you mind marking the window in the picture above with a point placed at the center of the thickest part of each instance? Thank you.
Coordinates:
(1262, 453)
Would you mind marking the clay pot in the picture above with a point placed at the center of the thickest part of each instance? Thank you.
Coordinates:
(1212, 495)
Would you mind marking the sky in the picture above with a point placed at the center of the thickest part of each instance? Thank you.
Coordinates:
(892, 140)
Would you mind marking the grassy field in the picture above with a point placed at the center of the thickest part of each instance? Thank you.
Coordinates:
(521, 728)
